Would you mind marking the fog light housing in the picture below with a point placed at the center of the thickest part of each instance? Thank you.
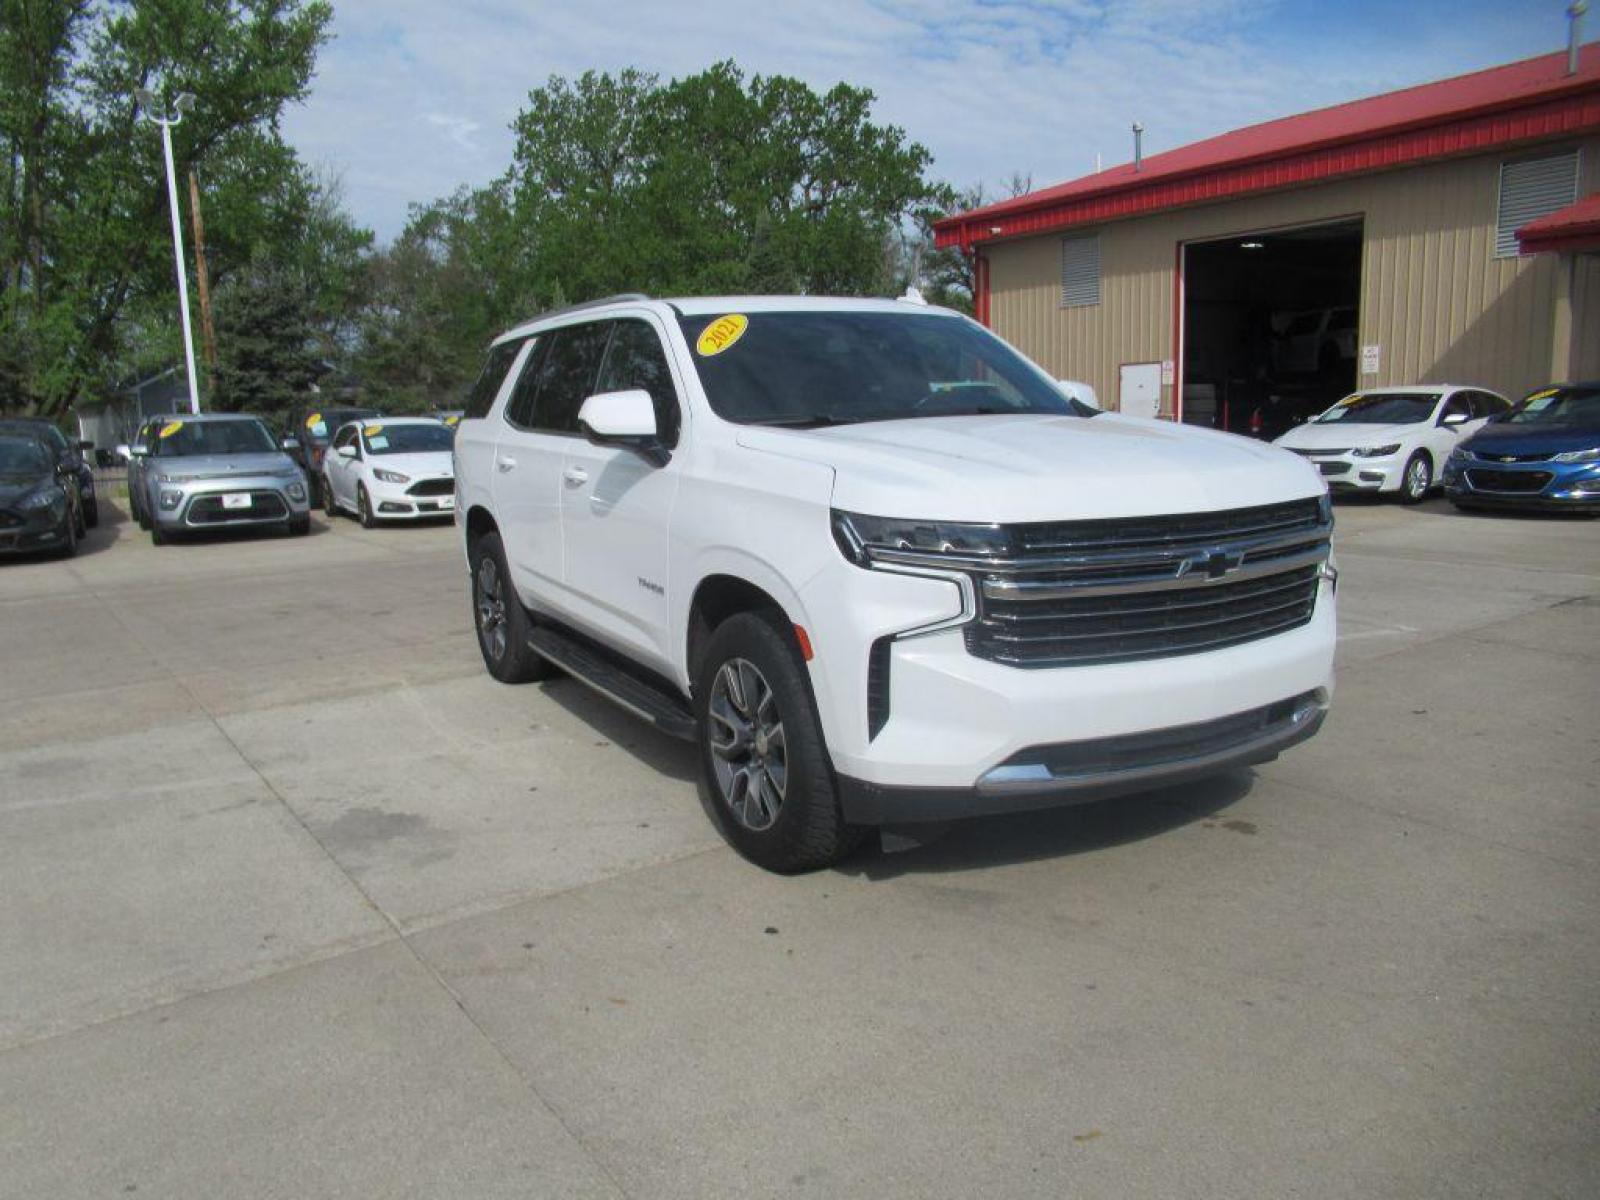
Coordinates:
(171, 500)
(297, 490)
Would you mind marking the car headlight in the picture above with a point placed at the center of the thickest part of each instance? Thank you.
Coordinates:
(865, 540)
(1571, 456)
(50, 496)
(389, 476)
(1375, 451)
(1459, 455)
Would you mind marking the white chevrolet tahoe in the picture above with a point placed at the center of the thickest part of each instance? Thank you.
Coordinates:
(879, 568)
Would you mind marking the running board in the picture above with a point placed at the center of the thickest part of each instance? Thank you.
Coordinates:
(609, 674)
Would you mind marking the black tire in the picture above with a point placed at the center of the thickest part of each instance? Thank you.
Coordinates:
(158, 536)
(808, 830)
(1417, 480)
(364, 507)
(91, 515)
(501, 623)
(325, 493)
(299, 526)
(80, 523)
(136, 509)
(70, 547)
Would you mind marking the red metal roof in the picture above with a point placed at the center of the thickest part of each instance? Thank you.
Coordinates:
(1575, 227)
(1520, 102)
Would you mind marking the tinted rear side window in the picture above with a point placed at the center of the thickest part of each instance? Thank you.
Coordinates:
(566, 375)
(490, 378)
(636, 360)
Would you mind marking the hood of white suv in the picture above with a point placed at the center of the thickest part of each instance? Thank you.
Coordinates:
(1039, 467)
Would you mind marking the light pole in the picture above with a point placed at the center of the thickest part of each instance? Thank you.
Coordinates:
(147, 106)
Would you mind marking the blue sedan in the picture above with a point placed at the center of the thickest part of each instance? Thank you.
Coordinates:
(1544, 454)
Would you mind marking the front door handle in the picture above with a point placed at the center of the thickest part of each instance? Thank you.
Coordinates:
(575, 476)
(505, 464)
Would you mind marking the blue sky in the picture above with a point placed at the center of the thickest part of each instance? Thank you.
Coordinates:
(414, 97)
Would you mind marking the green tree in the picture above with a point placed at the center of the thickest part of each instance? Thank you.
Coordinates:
(267, 355)
(85, 258)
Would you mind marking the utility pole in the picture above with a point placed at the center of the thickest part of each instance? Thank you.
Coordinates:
(208, 331)
(183, 104)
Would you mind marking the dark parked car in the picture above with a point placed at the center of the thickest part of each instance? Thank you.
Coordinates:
(1543, 454)
(39, 500)
(66, 452)
(314, 428)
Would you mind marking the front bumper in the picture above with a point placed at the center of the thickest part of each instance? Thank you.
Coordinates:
(232, 502)
(35, 530)
(400, 502)
(1347, 473)
(956, 722)
(1545, 485)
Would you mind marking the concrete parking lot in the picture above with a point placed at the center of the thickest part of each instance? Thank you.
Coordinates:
(295, 901)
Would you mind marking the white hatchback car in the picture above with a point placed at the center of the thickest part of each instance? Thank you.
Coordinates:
(390, 468)
(1392, 439)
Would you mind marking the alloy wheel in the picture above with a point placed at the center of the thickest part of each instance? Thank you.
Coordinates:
(1417, 479)
(749, 755)
(491, 608)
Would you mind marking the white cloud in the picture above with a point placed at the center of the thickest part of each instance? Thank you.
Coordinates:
(414, 97)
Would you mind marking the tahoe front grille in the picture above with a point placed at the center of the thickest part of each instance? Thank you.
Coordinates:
(1085, 592)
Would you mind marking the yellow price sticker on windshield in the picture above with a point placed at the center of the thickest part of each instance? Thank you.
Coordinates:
(373, 430)
(721, 334)
(1544, 395)
(170, 428)
(313, 420)
(1349, 400)
(452, 422)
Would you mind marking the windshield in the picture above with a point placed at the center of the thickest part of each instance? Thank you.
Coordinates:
(826, 368)
(177, 439)
(406, 439)
(319, 426)
(23, 456)
(1558, 406)
(1381, 408)
(39, 429)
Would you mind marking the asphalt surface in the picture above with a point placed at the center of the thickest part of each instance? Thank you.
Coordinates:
(296, 902)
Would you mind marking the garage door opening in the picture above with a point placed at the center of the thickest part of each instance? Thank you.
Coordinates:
(1270, 326)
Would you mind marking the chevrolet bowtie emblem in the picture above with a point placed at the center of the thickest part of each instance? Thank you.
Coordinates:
(1213, 564)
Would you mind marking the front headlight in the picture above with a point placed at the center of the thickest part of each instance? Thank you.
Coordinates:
(1459, 455)
(49, 496)
(864, 540)
(1571, 456)
(1375, 451)
(383, 476)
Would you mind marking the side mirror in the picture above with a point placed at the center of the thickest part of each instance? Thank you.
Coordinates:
(290, 443)
(347, 452)
(625, 419)
(1451, 420)
(1081, 392)
(138, 450)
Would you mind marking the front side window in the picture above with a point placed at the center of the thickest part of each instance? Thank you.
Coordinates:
(636, 360)
(1381, 408)
(831, 368)
(179, 439)
(563, 378)
(23, 456)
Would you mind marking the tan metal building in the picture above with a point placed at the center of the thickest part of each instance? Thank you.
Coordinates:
(1375, 243)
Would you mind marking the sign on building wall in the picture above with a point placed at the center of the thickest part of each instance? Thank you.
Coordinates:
(1371, 358)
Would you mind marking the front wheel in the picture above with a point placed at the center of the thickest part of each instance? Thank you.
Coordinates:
(763, 761)
(299, 526)
(1414, 484)
(500, 619)
(325, 490)
(364, 507)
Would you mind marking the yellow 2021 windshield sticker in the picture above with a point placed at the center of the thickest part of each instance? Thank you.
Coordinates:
(170, 428)
(1544, 395)
(313, 420)
(373, 430)
(721, 334)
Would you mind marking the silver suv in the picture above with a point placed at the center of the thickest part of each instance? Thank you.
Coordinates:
(216, 471)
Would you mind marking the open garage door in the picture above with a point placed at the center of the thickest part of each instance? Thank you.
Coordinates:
(1270, 326)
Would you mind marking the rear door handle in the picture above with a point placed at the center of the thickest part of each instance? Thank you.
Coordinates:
(506, 464)
(575, 476)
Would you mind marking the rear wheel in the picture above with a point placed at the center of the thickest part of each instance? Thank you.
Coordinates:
(763, 761)
(1414, 484)
(501, 621)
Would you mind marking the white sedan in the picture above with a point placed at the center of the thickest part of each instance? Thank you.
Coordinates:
(1393, 439)
(390, 468)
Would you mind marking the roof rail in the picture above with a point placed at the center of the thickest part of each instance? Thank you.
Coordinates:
(572, 308)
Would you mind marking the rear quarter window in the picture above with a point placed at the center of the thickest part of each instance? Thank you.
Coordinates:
(487, 387)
